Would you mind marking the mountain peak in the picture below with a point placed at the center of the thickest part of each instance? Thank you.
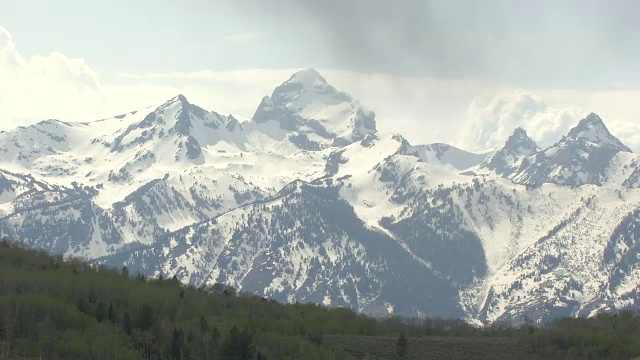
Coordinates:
(581, 157)
(307, 86)
(307, 105)
(520, 139)
(593, 131)
(519, 132)
(594, 118)
(507, 160)
(176, 120)
(308, 76)
(178, 98)
(591, 122)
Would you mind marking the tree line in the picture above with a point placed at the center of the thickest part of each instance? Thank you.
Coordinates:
(57, 308)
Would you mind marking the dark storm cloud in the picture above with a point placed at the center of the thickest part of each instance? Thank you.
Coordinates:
(585, 42)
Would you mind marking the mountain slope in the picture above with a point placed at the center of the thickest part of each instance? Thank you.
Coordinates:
(308, 202)
(444, 154)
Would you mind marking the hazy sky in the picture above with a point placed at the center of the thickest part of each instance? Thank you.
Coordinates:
(444, 70)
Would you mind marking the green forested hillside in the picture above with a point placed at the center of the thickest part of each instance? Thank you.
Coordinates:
(52, 308)
(68, 310)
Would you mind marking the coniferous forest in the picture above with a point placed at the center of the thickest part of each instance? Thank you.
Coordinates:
(56, 308)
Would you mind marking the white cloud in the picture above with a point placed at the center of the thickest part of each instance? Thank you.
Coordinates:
(628, 132)
(10, 60)
(422, 109)
(56, 86)
(42, 86)
(249, 77)
(490, 123)
(236, 92)
(246, 37)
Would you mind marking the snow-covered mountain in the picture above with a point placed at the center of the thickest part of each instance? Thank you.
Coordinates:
(582, 157)
(508, 159)
(317, 115)
(309, 202)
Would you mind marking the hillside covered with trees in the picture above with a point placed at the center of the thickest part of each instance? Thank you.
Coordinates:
(55, 308)
(70, 310)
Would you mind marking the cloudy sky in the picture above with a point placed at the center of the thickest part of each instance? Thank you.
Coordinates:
(456, 71)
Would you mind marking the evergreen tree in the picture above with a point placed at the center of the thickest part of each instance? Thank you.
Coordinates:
(101, 312)
(215, 337)
(111, 314)
(175, 351)
(82, 305)
(92, 297)
(144, 319)
(237, 346)
(127, 324)
(230, 344)
(204, 324)
(402, 346)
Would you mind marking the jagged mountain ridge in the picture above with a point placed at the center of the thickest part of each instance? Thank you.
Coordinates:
(308, 201)
(507, 160)
(584, 156)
